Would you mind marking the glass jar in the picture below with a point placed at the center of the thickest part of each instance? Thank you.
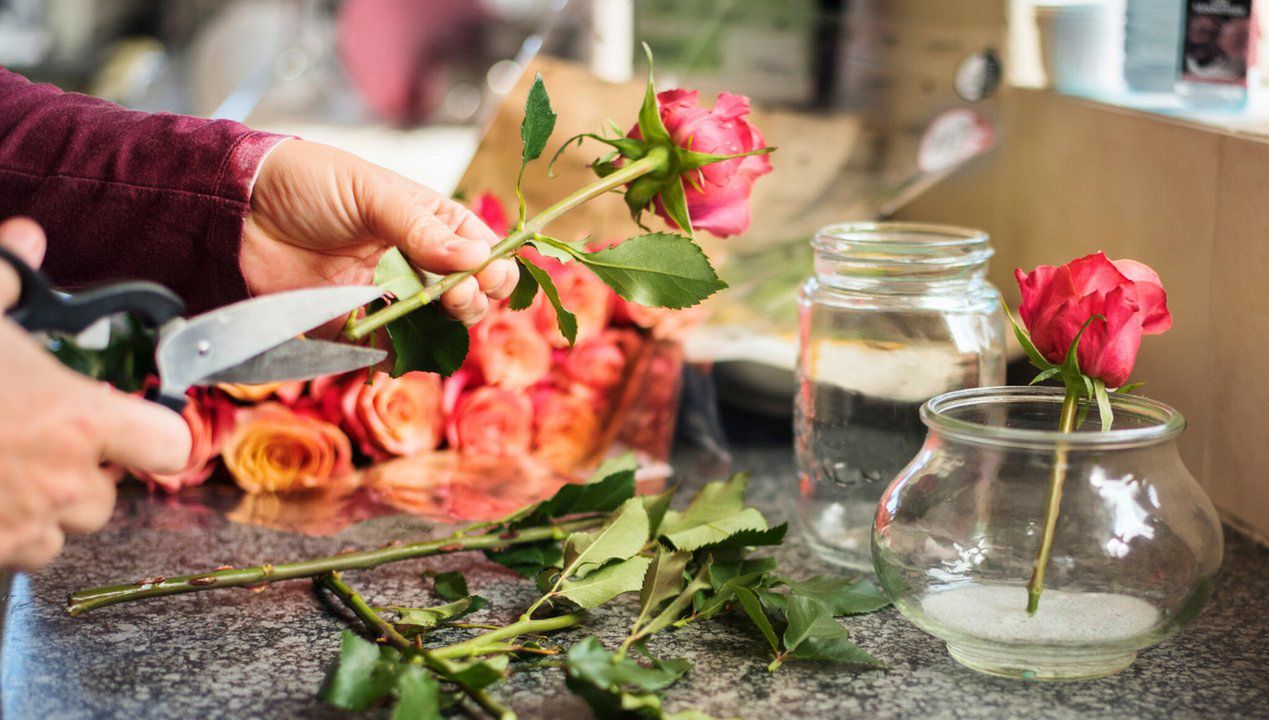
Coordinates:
(1136, 546)
(895, 314)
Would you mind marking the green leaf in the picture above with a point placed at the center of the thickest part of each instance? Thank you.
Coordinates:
(418, 695)
(450, 585)
(753, 608)
(623, 463)
(597, 495)
(429, 617)
(650, 124)
(691, 160)
(657, 506)
(750, 568)
(395, 275)
(529, 560)
(1024, 339)
(566, 320)
(662, 583)
(1071, 365)
(1103, 404)
(675, 200)
(481, 673)
(656, 270)
(606, 583)
(556, 249)
(526, 289)
(716, 513)
(639, 195)
(539, 121)
(1045, 375)
(428, 340)
(839, 595)
(749, 538)
(622, 536)
(813, 634)
(671, 612)
(364, 674)
(726, 590)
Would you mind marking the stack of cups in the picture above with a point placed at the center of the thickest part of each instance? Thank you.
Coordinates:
(1152, 44)
(1082, 44)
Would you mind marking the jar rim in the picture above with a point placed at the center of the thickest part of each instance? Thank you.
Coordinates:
(1166, 421)
(928, 245)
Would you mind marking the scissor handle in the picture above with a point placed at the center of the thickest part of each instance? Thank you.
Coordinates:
(41, 308)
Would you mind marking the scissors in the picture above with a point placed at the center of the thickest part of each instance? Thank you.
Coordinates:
(251, 342)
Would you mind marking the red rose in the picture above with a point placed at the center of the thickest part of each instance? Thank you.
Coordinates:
(509, 350)
(492, 421)
(390, 417)
(1058, 301)
(717, 194)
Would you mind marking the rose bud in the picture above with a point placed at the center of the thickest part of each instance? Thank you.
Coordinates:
(1058, 301)
(492, 421)
(717, 193)
(583, 294)
(390, 417)
(509, 351)
(210, 417)
(275, 449)
(568, 428)
(600, 363)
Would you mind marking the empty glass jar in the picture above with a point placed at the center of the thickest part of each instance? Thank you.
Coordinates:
(895, 314)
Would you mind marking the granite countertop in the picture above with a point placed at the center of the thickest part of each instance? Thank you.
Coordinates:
(238, 654)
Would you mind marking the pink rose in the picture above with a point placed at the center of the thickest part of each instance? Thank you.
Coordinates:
(569, 427)
(665, 323)
(490, 209)
(600, 363)
(492, 421)
(275, 449)
(392, 417)
(717, 194)
(1057, 301)
(509, 350)
(210, 417)
(583, 294)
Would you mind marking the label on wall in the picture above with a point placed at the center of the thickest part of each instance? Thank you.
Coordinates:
(1218, 41)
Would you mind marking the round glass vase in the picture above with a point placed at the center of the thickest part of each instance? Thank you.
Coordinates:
(1136, 545)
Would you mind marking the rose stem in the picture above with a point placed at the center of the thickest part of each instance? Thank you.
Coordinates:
(1066, 424)
(655, 160)
(377, 625)
(82, 601)
(487, 643)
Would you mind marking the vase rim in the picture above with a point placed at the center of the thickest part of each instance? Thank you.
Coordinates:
(926, 245)
(1165, 421)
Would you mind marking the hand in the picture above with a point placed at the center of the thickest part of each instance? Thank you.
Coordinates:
(320, 216)
(59, 431)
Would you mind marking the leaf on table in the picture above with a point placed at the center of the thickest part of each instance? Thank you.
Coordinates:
(620, 537)
(656, 270)
(753, 608)
(726, 590)
(839, 595)
(749, 538)
(428, 617)
(671, 612)
(657, 506)
(531, 559)
(606, 583)
(428, 340)
(450, 585)
(599, 494)
(813, 634)
(539, 121)
(364, 674)
(418, 695)
(394, 274)
(716, 513)
(566, 320)
(480, 673)
(663, 582)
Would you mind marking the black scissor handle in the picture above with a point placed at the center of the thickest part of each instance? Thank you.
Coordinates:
(41, 308)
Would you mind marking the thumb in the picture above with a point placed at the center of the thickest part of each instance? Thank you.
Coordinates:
(142, 435)
(24, 238)
(436, 233)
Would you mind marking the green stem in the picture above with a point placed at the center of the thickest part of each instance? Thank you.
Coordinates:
(359, 329)
(376, 624)
(1066, 424)
(82, 601)
(479, 645)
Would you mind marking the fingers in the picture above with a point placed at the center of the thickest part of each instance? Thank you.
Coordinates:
(435, 233)
(499, 279)
(38, 549)
(466, 302)
(24, 238)
(91, 508)
(141, 434)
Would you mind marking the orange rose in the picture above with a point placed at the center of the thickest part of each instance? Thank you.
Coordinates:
(210, 417)
(583, 294)
(287, 392)
(600, 363)
(389, 416)
(510, 351)
(665, 323)
(568, 428)
(492, 421)
(275, 449)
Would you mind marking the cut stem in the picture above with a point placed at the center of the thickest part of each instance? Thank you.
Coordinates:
(1066, 424)
(82, 601)
(359, 329)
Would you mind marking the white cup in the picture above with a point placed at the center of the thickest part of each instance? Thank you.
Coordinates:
(1081, 45)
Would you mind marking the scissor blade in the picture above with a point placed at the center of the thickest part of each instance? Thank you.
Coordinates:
(298, 359)
(191, 351)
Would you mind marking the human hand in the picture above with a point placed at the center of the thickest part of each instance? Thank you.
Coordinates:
(60, 430)
(321, 216)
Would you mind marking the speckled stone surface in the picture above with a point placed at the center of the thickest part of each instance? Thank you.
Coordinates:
(235, 654)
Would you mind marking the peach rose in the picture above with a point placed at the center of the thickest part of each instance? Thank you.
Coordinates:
(391, 417)
(583, 294)
(287, 391)
(600, 363)
(568, 428)
(664, 323)
(493, 421)
(210, 417)
(510, 351)
(275, 449)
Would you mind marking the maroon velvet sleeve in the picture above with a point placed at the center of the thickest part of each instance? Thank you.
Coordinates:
(129, 195)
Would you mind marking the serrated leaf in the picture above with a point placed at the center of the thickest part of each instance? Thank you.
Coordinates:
(726, 590)
(418, 695)
(606, 583)
(525, 291)
(753, 608)
(602, 495)
(662, 582)
(557, 249)
(529, 560)
(620, 537)
(539, 121)
(750, 568)
(813, 634)
(657, 506)
(716, 513)
(428, 617)
(481, 673)
(623, 463)
(749, 538)
(839, 595)
(450, 585)
(428, 340)
(671, 612)
(394, 274)
(656, 270)
(674, 199)
(566, 320)
(363, 675)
